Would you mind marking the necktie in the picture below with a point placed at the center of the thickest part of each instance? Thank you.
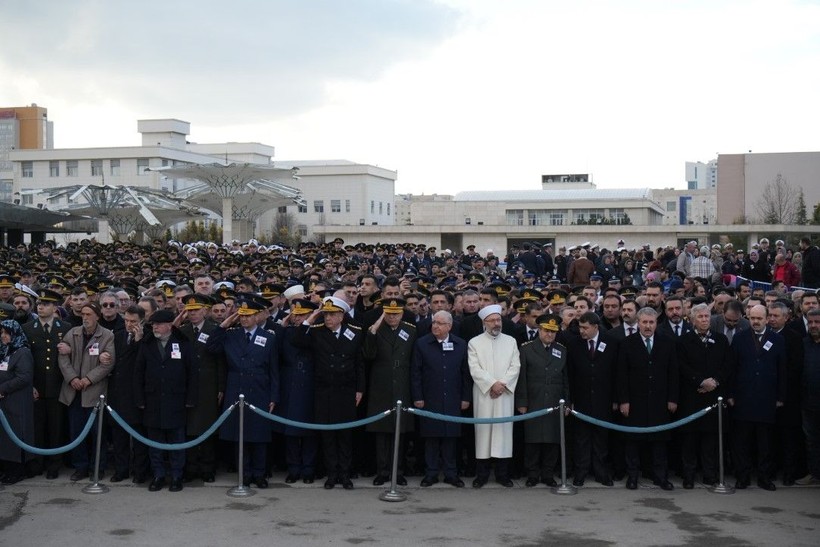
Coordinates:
(631, 330)
(649, 345)
(248, 336)
(196, 333)
(729, 334)
(336, 334)
(128, 340)
(677, 330)
(47, 329)
(532, 335)
(591, 349)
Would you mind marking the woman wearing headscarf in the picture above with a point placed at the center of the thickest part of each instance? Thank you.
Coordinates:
(16, 398)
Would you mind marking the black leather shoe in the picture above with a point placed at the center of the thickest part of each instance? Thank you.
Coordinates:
(532, 481)
(478, 483)
(308, 479)
(140, 479)
(291, 478)
(156, 485)
(577, 482)
(742, 484)
(458, 483)
(379, 480)
(208, 477)
(79, 475)
(428, 481)
(329, 484)
(606, 481)
(401, 481)
(247, 481)
(632, 483)
(117, 477)
(506, 482)
(52, 474)
(549, 481)
(347, 484)
(709, 481)
(176, 485)
(688, 484)
(664, 484)
(766, 484)
(261, 482)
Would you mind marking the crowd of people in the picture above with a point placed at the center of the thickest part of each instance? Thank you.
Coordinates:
(173, 333)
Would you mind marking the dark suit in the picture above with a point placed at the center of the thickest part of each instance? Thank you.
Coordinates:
(700, 358)
(339, 374)
(790, 440)
(49, 413)
(718, 325)
(209, 369)
(648, 382)
(668, 328)
(592, 382)
(758, 383)
(121, 398)
(164, 385)
(620, 332)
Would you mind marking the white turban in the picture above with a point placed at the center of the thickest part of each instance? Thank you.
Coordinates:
(485, 312)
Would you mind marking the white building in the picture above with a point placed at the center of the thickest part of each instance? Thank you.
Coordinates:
(687, 206)
(700, 176)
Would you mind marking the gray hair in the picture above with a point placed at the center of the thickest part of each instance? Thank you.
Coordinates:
(444, 315)
(647, 311)
(697, 309)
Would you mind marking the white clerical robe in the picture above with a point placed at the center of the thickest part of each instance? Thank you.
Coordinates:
(493, 359)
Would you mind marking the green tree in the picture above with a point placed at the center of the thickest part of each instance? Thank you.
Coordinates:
(800, 216)
(815, 216)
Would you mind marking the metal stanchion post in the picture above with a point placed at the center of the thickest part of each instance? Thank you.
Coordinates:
(240, 490)
(721, 487)
(392, 494)
(95, 487)
(563, 488)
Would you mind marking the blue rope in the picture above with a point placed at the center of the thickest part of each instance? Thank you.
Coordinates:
(650, 429)
(463, 420)
(175, 446)
(322, 427)
(48, 451)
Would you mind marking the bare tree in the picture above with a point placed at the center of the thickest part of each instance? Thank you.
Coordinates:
(778, 203)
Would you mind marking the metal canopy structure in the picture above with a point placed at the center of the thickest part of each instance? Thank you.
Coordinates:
(244, 190)
(123, 209)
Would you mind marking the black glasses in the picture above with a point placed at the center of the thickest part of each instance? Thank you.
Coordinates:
(109, 305)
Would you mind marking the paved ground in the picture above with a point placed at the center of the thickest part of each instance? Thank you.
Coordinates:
(43, 513)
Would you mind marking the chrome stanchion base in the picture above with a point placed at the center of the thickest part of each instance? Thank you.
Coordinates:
(392, 495)
(722, 489)
(241, 492)
(95, 488)
(564, 490)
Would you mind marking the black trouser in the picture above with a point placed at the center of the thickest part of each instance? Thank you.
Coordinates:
(441, 449)
(540, 460)
(632, 454)
(705, 445)
(337, 447)
(791, 444)
(744, 433)
(300, 453)
(201, 459)
(591, 451)
(384, 454)
(49, 431)
(482, 468)
(129, 455)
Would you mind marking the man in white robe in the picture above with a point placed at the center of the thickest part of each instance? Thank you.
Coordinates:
(494, 365)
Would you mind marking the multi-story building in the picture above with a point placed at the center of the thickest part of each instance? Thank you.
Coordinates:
(700, 176)
(24, 127)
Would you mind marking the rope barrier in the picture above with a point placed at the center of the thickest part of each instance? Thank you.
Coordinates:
(175, 446)
(463, 420)
(649, 429)
(322, 427)
(48, 451)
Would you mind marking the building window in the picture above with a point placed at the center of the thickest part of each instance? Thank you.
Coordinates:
(71, 168)
(619, 216)
(347, 206)
(115, 168)
(302, 209)
(536, 217)
(302, 230)
(165, 163)
(515, 217)
(381, 209)
(142, 165)
(96, 168)
(671, 206)
(335, 206)
(28, 169)
(318, 206)
(283, 209)
(557, 218)
(372, 207)
(587, 216)
(28, 199)
(54, 168)
(388, 209)
(7, 190)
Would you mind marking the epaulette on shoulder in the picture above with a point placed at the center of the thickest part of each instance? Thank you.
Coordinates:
(315, 325)
(409, 324)
(354, 327)
(560, 345)
(273, 332)
(527, 343)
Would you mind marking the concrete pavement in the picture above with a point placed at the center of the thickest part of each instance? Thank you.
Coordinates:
(43, 513)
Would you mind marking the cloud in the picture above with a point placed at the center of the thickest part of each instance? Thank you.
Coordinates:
(215, 61)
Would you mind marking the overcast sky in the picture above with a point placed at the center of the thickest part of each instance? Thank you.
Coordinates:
(453, 94)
